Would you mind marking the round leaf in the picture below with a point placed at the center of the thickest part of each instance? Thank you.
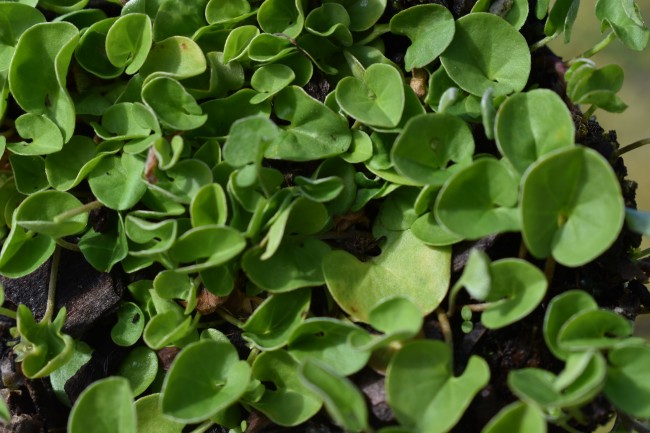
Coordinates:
(140, 367)
(487, 52)
(152, 420)
(587, 210)
(560, 309)
(45, 136)
(106, 406)
(128, 41)
(627, 380)
(129, 326)
(117, 182)
(177, 56)
(40, 211)
(173, 105)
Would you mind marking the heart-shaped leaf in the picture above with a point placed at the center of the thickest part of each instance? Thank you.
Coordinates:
(281, 16)
(476, 58)
(225, 11)
(205, 378)
(343, 401)
(491, 209)
(587, 210)
(173, 105)
(422, 390)
(38, 83)
(529, 125)
(417, 23)
(399, 270)
(330, 20)
(271, 324)
(29, 173)
(377, 100)
(428, 143)
(128, 41)
(106, 406)
(156, 237)
(289, 402)
(15, 18)
(44, 134)
(117, 182)
(183, 181)
(314, 132)
(125, 121)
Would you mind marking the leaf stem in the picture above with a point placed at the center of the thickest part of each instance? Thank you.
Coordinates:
(203, 427)
(68, 245)
(445, 328)
(590, 112)
(599, 46)
(51, 289)
(8, 313)
(377, 31)
(641, 254)
(549, 268)
(63, 216)
(523, 251)
(479, 308)
(632, 146)
(543, 42)
(230, 318)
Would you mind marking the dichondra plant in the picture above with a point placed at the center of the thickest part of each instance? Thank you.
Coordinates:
(304, 195)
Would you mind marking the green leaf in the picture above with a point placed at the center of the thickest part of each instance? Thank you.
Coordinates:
(314, 131)
(209, 206)
(80, 356)
(399, 270)
(343, 401)
(427, 145)
(363, 13)
(587, 210)
(40, 213)
(223, 113)
(593, 329)
(320, 190)
(91, 50)
(38, 83)
(151, 419)
(560, 309)
(422, 390)
(269, 80)
(271, 324)
(517, 288)
(330, 341)
(332, 21)
(296, 263)
(128, 42)
(205, 378)
(238, 41)
(417, 23)
(117, 181)
(156, 237)
(513, 11)
(173, 105)
(429, 232)
(129, 326)
(289, 402)
(561, 18)
(487, 52)
(248, 140)
(125, 121)
(42, 348)
(167, 328)
(211, 245)
(140, 367)
(178, 17)
(29, 173)
(517, 417)
(479, 200)
(529, 125)
(281, 17)
(627, 380)
(226, 11)
(44, 134)
(183, 181)
(377, 99)
(106, 406)
(177, 57)
(23, 252)
(15, 18)
(624, 18)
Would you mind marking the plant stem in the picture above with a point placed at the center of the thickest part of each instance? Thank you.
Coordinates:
(641, 254)
(549, 268)
(230, 318)
(479, 308)
(539, 44)
(203, 427)
(599, 46)
(630, 147)
(77, 211)
(377, 31)
(590, 112)
(51, 289)
(523, 251)
(68, 245)
(8, 313)
(445, 328)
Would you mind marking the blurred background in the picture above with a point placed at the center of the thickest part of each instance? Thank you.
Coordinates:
(634, 123)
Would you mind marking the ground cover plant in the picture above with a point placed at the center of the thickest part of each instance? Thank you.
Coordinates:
(337, 215)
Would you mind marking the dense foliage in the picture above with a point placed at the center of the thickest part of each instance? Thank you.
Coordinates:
(280, 170)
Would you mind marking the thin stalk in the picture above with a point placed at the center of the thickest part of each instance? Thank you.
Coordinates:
(8, 313)
(203, 427)
(377, 31)
(549, 268)
(51, 289)
(641, 254)
(523, 251)
(445, 328)
(632, 146)
(230, 318)
(590, 112)
(479, 308)
(611, 36)
(541, 43)
(68, 245)
(63, 216)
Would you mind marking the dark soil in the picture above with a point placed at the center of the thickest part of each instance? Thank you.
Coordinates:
(91, 297)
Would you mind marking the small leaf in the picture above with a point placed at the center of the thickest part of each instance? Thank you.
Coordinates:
(177, 56)
(417, 23)
(238, 41)
(625, 20)
(173, 105)
(129, 326)
(248, 139)
(363, 13)
(45, 136)
(151, 419)
(343, 401)
(627, 380)
(474, 60)
(29, 173)
(281, 16)
(140, 367)
(209, 206)
(377, 100)
(597, 329)
(269, 80)
(320, 190)
(39, 213)
(106, 406)
(517, 416)
(271, 324)
(422, 390)
(560, 309)
(586, 213)
(215, 244)
(128, 41)
(117, 182)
